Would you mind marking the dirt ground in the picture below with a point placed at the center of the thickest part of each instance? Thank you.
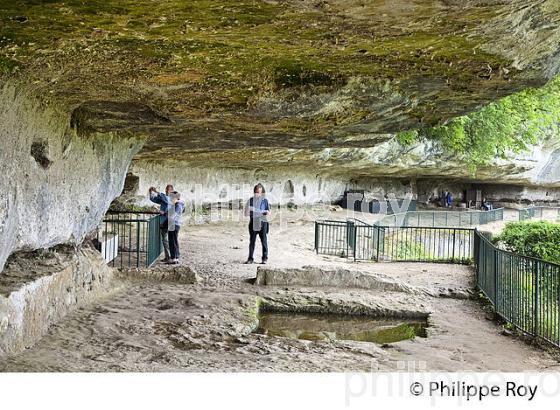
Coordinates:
(150, 325)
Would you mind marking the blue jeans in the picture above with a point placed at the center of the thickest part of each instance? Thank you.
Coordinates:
(253, 240)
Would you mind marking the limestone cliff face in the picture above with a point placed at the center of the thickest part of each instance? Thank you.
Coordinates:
(55, 185)
(310, 176)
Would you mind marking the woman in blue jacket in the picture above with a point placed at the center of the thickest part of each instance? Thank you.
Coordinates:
(258, 210)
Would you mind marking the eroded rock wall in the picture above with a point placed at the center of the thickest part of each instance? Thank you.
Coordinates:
(203, 185)
(56, 185)
(38, 289)
(423, 169)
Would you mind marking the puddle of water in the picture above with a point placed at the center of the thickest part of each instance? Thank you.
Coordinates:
(340, 327)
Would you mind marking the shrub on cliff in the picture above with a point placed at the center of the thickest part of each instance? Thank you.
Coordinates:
(509, 125)
(537, 239)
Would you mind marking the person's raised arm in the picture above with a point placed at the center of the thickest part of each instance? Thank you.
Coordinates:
(154, 195)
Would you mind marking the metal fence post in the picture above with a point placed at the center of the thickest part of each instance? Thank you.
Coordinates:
(536, 299)
(378, 236)
(316, 237)
(454, 238)
(137, 244)
(355, 236)
(495, 253)
(476, 254)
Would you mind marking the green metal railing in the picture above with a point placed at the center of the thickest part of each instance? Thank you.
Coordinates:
(360, 241)
(424, 244)
(334, 238)
(130, 239)
(442, 218)
(525, 291)
(538, 212)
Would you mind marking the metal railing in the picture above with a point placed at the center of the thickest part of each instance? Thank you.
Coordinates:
(361, 241)
(424, 244)
(539, 212)
(442, 218)
(129, 239)
(334, 238)
(525, 291)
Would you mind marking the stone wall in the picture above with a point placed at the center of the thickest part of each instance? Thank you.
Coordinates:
(38, 289)
(213, 184)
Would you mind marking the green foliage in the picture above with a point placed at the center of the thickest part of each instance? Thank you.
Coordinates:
(406, 138)
(537, 239)
(508, 125)
(411, 250)
(482, 297)
(509, 326)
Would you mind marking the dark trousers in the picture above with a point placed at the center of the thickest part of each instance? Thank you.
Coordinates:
(174, 243)
(253, 239)
(164, 239)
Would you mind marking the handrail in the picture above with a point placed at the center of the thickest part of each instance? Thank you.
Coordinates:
(132, 212)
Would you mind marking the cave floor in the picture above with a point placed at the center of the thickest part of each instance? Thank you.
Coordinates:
(151, 325)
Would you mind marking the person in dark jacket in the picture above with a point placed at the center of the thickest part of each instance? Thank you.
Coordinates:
(258, 210)
(163, 200)
(486, 205)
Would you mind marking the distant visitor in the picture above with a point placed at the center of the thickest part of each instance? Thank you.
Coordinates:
(487, 205)
(448, 200)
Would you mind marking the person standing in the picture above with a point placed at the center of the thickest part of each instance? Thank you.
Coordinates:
(258, 210)
(449, 200)
(486, 205)
(175, 216)
(163, 200)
